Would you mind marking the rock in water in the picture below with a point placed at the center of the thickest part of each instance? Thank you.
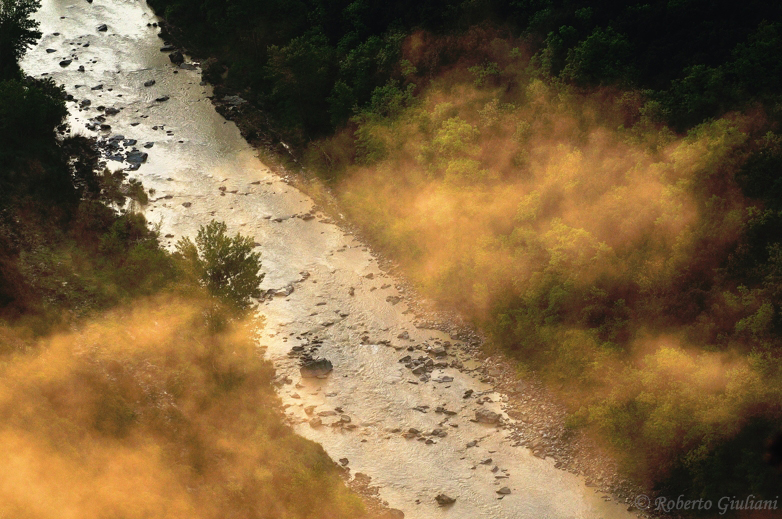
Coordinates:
(176, 58)
(485, 416)
(284, 291)
(316, 368)
(443, 500)
(136, 157)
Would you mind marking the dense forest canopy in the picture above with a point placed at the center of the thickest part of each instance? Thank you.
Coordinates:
(310, 63)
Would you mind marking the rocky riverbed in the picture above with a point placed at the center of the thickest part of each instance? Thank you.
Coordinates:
(406, 401)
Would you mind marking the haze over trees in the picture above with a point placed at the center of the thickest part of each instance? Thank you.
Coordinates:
(597, 185)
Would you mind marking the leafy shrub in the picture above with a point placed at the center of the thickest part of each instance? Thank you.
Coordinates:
(226, 266)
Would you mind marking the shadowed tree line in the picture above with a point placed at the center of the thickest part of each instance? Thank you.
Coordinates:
(312, 63)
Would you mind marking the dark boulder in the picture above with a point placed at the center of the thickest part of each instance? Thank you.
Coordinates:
(316, 368)
(176, 58)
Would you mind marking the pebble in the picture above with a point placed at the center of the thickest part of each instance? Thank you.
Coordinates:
(486, 416)
(443, 499)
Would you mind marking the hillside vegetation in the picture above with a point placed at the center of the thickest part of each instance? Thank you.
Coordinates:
(147, 411)
(597, 186)
(130, 380)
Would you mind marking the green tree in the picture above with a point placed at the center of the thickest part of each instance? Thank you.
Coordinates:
(226, 266)
(601, 58)
(17, 33)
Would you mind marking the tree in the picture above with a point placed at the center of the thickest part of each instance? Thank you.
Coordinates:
(226, 266)
(17, 33)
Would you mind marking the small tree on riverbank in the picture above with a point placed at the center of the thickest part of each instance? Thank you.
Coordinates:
(226, 266)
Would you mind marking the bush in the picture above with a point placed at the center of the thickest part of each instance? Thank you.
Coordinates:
(226, 266)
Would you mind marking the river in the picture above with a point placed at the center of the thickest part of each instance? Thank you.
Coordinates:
(199, 168)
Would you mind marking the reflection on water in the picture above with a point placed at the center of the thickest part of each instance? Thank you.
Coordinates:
(200, 168)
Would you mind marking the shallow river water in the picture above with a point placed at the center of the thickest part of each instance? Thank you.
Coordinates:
(200, 168)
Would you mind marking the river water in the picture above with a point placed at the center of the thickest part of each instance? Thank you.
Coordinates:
(201, 168)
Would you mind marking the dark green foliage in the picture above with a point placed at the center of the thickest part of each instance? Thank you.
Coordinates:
(226, 266)
(310, 63)
(601, 57)
(17, 33)
(30, 112)
(744, 462)
(300, 76)
(61, 246)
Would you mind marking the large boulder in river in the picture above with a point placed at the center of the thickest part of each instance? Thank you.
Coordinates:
(176, 58)
(484, 415)
(316, 368)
